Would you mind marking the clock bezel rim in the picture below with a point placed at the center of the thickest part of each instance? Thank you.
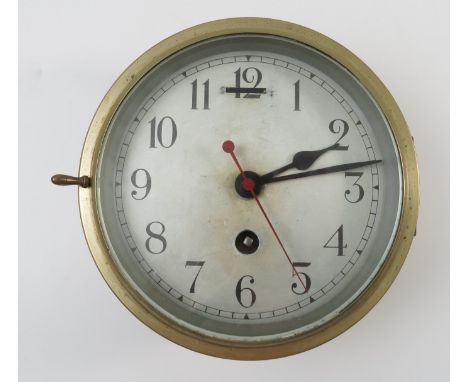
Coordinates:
(135, 302)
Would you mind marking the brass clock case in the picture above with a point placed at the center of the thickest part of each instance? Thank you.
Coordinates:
(136, 303)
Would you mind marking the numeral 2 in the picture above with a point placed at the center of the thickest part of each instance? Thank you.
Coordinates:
(339, 126)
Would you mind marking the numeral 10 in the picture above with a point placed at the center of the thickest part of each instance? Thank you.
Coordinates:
(156, 132)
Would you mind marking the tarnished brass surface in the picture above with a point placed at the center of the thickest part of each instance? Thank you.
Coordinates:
(239, 349)
(68, 180)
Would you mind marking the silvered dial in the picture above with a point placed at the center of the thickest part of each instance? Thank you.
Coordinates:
(265, 240)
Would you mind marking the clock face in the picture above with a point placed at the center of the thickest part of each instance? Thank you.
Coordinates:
(249, 188)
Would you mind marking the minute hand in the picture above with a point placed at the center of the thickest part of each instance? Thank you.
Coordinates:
(320, 171)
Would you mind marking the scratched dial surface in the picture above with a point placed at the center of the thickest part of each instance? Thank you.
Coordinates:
(215, 255)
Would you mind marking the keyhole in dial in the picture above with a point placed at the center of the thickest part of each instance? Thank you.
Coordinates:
(247, 242)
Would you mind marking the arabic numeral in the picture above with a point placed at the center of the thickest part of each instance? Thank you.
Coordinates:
(249, 75)
(206, 94)
(297, 85)
(339, 241)
(304, 276)
(242, 292)
(339, 126)
(154, 236)
(192, 263)
(360, 189)
(146, 185)
(156, 132)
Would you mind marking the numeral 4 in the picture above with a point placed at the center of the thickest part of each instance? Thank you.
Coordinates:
(340, 246)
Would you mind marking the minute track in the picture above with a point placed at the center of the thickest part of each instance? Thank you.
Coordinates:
(209, 309)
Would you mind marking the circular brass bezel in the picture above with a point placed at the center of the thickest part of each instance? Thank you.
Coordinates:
(136, 303)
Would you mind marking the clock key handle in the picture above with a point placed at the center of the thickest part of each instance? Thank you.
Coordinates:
(68, 180)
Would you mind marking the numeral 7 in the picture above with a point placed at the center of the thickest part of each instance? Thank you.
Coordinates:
(191, 263)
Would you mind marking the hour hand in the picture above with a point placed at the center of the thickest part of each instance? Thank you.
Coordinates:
(302, 160)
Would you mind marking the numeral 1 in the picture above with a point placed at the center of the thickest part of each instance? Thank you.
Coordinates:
(206, 94)
(238, 78)
(296, 95)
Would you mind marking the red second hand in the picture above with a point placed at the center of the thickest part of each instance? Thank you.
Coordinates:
(249, 185)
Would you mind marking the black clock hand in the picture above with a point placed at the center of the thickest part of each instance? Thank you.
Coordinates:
(302, 160)
(320, 171)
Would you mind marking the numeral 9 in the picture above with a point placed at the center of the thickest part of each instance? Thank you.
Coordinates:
(146, 185)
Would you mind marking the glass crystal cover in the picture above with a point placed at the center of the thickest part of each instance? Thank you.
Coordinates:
(286, 245)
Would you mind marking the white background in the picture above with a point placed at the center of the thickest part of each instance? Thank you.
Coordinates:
(72, 328)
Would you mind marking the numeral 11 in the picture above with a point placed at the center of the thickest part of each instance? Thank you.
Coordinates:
(206, 94)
